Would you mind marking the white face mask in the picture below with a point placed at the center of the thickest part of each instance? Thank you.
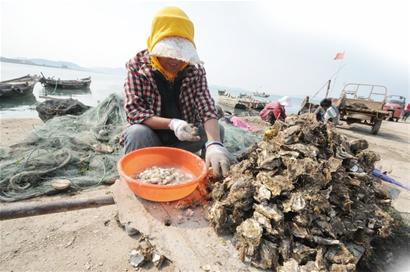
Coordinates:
(176, 48)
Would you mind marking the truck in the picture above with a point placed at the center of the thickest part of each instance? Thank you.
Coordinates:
(363, 104)
(395, 105)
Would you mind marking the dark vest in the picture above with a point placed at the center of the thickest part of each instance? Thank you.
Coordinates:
(170, 105)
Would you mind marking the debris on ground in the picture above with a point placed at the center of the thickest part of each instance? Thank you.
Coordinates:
(71, 241)
(187, 202)
(146, 254)
(189, 213)
(103, 148)
(303, 199)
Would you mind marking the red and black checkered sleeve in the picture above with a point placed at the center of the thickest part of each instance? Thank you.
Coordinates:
(136, 108)
(204, 102)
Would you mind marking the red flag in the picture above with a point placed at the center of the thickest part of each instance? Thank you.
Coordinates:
(339, 55)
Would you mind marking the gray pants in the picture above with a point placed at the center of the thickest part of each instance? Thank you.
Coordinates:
(140, 136)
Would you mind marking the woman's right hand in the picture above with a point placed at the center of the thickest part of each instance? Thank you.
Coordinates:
(184, 131)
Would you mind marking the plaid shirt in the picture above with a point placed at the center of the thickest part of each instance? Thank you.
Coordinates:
(143, 100)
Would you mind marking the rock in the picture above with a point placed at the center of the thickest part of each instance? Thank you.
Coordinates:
(60, 184)
(206, 267)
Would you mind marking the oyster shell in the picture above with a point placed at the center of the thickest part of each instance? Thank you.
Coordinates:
(290, 265)
(303, 200)
(302, 253)
(275, 184)
(268, 256)
(358, 145)
(295, 203)
(264, 194)
(291, 135)
(248, 236)
(310, 151)
(264, 222)
(270, 211)
(297, 168)
(268, 161)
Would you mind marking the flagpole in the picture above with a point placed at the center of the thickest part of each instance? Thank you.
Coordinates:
(328, 82)
(338, 70)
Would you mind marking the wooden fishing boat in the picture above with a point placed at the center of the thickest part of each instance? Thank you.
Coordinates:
(261, 94)
(17, 87)
(241, 102)
(83, 83)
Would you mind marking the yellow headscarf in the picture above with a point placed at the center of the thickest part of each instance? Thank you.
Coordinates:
(168, 22)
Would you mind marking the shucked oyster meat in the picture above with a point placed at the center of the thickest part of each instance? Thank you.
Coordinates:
(163, 175)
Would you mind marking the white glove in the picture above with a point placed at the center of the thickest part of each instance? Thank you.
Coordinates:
(218, 157)
(184, 131)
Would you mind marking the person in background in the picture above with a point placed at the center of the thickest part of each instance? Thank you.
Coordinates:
(406, 112)
(275, 110)
(327, 112)
(167, 100)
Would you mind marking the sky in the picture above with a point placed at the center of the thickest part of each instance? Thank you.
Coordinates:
(280, 47)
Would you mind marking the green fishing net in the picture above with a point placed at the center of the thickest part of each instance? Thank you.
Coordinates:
(66, 147)
(83, 149)
(237, 140)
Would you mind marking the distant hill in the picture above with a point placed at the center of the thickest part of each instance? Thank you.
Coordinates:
(43, 62)
(62, 65)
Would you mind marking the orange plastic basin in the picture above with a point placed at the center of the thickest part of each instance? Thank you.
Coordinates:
(139, 160)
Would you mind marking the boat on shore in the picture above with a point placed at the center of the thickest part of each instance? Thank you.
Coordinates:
(261, 94)
(16, 87)
(50, 82)
(243, 102)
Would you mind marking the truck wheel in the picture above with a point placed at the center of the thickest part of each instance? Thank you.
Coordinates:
(376, 127)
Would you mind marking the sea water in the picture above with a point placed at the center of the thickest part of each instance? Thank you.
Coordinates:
(102, 85)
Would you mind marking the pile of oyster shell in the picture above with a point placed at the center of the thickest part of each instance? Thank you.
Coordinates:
(164, 175)
(303, 199)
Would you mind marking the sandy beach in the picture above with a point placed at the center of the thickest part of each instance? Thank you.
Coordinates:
(13, 130)
(91, 239)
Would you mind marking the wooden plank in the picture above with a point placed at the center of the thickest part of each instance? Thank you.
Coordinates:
(12, 211)
(189, 242)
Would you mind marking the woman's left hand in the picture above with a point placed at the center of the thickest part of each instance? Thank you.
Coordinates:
(218, 157)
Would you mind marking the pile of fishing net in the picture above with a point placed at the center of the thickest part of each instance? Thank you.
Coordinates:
(303, 200)
(82, 151)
